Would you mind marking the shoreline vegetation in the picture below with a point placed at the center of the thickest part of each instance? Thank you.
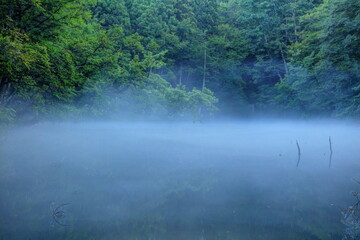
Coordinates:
(178, 59)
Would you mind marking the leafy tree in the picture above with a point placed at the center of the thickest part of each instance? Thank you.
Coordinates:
(326, 50)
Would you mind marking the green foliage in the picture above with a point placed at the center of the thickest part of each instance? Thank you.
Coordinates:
(108, 57)
(326, 52)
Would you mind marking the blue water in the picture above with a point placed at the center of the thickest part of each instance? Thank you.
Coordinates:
(177, 180)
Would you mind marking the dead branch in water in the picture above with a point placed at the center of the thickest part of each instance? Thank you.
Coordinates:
(299, 153)
(331, 152)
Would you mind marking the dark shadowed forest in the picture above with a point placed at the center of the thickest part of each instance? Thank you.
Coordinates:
(173, 59)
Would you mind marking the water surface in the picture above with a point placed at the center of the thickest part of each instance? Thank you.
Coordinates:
(177, 180)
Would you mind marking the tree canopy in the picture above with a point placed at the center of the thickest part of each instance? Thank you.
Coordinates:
(178, 58)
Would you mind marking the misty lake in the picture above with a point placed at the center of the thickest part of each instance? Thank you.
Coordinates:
(229, 180)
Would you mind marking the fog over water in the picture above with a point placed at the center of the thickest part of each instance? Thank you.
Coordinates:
(228, 180)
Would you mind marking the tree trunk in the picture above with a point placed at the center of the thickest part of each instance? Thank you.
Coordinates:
(295, 25)
(204, 77)
(5, 94)
(284, 60)
(181, 73)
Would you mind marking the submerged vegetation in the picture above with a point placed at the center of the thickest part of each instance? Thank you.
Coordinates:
(174, 59)
(351, 219)
(59, 214)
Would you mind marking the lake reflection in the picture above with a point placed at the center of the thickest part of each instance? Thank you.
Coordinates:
(227, 180)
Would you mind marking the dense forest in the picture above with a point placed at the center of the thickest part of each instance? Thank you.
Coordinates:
(174, 59)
